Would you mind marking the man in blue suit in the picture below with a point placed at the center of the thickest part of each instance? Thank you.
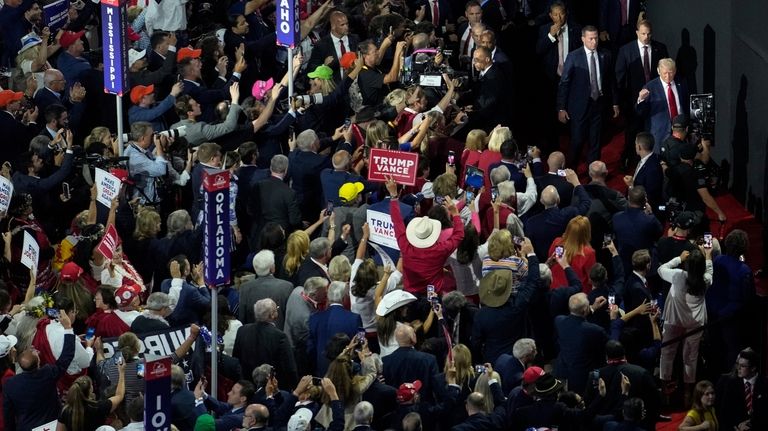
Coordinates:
(191, 301)
(586, 87)
(636, 65)
(406, 364)
(636, 228)
(617, 20)
(325, 324)
(511, 367)
(304, 172)
(648, 173)
(229, 415)
(661, 100)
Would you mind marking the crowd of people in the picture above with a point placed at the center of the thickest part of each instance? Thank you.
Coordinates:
(515, 288)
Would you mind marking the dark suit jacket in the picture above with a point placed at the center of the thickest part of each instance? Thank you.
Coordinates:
(547, 50)
(574, 89)
(655, 109)
(323, 326)
(582, 347)
(304, 171)
(183, 409)
(510, 370)
(325, 48)
(209, 97)
(635, 230)
(45, 98)
(651, 176)
(489, 97)
(730, 406)
(564, 190)
(630, 76)
(261, 288)
(226, 418)
(643, 386)
(543, 228)
(444, 13)
(17, 135)
(406, 364)
(196, 178)
(308, 269)
(610, 17)
(272, 200)
(490, 421)
(492, 16)
(262, 343)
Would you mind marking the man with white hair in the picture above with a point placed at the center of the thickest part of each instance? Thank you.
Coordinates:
(265, 285)
(582, 344)
(363, 416)
(272, 200)
(605, 202)
(263, 343)
(325, 324)
(306, 164)
(511, 367)
(158, 307)
(316, 263)
(303, 302)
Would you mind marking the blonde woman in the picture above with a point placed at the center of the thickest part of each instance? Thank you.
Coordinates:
(33, 59)
(297, 249)
(100, 141)
(476, 143)
(492, 154)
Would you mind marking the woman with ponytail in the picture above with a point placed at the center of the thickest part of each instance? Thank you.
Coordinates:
(82, 412)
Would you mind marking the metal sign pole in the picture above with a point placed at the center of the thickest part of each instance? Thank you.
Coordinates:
(214, 342)
(119, 103)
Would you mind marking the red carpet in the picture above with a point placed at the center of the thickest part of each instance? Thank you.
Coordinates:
(672, 425)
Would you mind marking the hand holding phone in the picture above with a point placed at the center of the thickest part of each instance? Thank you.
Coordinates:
(451, 158)
(707, 240)
(559, 251)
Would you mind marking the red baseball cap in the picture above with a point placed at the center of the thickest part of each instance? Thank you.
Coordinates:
(8, 96)
(71, 272)
(126, 293)
(407, 391)
(188, 52)
(140, 91)
(348, 59)
(70, 37)
(532, 374)
(122, 174)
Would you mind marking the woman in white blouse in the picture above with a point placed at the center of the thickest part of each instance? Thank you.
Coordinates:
(685, 309)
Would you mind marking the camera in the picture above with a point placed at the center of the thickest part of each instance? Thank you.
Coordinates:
(309, 99)
(173, 133)
(703, 115)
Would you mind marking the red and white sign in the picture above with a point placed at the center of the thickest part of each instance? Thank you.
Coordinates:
(109, 243)
(400, 165)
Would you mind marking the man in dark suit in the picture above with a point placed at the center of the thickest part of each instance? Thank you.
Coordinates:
(190, 70)
(209, 158)
(17, 133)
(474, 15)
(636, 228)
(494, 16)
(438, 12)
(555, 164)
(262, 343)
(477, 418)
(304, 173)
(325, 324)
(406, 364)
(582, 344)
(642, 385)
(605, 202)
(617, 20)
(742, 396)
(229, 414)
(272, 200)
(182, 400)
(556, 40)
(543, 228)
(498, 57)
(636, 65)
(661, 100)
(488, 97)
(586, 88)
(649, 172)
(316, 262)
(192, 300)
(511, 367)
(265, 285)
(329, 49)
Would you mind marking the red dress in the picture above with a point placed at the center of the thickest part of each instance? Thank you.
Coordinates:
(468, 158)
(488, 158)
(107, 324)
(581, 264)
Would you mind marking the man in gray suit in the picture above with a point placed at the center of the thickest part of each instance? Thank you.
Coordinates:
(265, 285)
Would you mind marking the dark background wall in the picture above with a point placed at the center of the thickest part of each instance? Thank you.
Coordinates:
(722, 47)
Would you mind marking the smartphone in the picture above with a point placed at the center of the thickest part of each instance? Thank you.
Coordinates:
(662, 207)
(360, 336)
(595, 377)
(561, 172)
(607, 239)
(317, 381)
(611, 299)
(480, 368)
(140, 369)
(707, 240)
(65, 190)
(347, 123)
(329, 209)
(530, 151)
(494, 194)
(366, 151)
(89, 333)
(559, 251)
(52, 313)
(439, 200)
(451, 158)
(518, 240)
(470, 196)
(431, 292)
(655, 304)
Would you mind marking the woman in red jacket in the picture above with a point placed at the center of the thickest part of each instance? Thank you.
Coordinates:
(424, 256)
(575, 242)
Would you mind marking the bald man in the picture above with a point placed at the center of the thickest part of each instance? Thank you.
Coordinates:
(333, 178)
(555, 163)
(605, 202)
(582, 344)
(543, 228)
(255, 418)
(406, 364)
(330, 48)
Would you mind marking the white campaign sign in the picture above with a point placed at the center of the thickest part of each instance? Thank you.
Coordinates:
(6, 191)
(30, 251)
(107, 187)
(382, 229)
(50, 426)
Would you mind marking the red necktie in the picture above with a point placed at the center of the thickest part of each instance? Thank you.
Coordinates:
(672, 102)
(435, 14)
(342, 48)
(624, 12)
(748, 396)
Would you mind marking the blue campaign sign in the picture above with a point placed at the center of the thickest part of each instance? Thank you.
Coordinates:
(217, 237)
(288, 25)
(157, 396)
(114, 41)
(56, 14)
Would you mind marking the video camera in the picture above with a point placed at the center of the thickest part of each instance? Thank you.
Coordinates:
(703, 115)
(423, 71)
